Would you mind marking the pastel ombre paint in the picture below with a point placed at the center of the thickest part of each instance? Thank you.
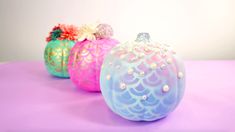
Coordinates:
(142, 80)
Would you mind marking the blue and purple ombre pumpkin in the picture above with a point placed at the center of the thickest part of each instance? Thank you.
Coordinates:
(142, 80)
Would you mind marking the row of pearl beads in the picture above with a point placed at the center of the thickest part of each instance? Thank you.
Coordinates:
(165, 89)
(141, 73)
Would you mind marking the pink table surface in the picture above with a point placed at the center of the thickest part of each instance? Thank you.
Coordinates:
(32, 100)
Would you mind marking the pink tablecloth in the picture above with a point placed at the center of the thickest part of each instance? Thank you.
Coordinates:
(32, 100)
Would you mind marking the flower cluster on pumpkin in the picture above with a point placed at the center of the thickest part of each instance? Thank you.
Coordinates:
(62, 32)
(85, 32)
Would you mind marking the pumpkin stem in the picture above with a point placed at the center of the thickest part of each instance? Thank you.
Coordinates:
(143, 37)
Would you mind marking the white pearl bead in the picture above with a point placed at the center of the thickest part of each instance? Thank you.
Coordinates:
(130, 71)
(111, 52)
(122, 85)
(122, 56)
(146, 49)
(165, 88)
(144, 97)
(142, 73)
(180, 75)
(169, 60)
(108, 77)
(153, 66)
(163, 66)
(165, 49)
(140, 55)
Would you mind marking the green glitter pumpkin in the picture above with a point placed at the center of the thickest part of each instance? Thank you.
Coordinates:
(56, 57)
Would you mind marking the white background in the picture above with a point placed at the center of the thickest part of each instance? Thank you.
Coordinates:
(197, 29)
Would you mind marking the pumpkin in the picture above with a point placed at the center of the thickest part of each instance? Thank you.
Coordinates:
(60, 41)
(142, 80)
(86, 57)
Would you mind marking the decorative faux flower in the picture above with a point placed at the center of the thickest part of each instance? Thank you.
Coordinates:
(56, 34)
(87, 32)
(69, 32)
(63, 32)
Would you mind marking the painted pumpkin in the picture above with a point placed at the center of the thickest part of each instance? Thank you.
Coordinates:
(142, 80)
(87, 56)
(60, 41)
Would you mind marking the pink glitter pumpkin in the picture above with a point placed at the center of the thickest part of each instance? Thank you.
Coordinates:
(85, 62)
